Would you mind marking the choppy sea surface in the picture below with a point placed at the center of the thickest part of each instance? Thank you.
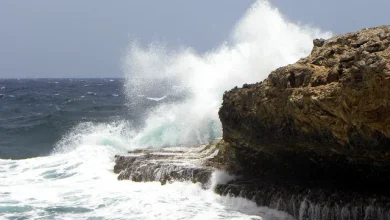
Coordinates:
(58, 137)
(36, 113)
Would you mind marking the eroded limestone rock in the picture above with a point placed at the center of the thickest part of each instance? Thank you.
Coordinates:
(324, 119)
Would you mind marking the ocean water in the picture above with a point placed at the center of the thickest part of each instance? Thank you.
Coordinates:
(58, 137)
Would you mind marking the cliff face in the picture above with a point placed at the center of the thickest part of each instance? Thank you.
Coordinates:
(324, 119)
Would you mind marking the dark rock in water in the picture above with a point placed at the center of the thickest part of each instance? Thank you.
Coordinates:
(301, 202)
(310, 203)
(323, 121)
(166, 165)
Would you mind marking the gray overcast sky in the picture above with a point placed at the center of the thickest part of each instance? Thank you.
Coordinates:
(73, 38)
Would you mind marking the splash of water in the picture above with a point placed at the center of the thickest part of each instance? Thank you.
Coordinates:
(79, 173)
(262, 41)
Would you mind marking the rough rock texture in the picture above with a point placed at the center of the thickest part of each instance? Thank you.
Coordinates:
(313, 139)
(309, 203)
(191, 164)
(167, 165)
(324, 120)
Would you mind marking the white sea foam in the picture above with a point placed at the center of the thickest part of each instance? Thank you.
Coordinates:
(77, 180)
(220, 177)
(156, 99)
(91, 93)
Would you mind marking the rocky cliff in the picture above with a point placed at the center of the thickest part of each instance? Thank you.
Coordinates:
(324, 120)
(313, 139)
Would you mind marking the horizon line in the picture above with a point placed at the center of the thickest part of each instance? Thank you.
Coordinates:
(18, 78)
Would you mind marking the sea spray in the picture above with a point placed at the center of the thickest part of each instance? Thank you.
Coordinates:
(262, 41)
(77, 181)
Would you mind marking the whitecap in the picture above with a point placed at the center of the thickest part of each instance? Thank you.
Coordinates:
(2, 88)
(115, 95)
(156, 99)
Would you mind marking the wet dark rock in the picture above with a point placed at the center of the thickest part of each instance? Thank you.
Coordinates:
(166, 165)
(310, 203)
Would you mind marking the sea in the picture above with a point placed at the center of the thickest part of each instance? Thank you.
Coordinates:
(58, 137)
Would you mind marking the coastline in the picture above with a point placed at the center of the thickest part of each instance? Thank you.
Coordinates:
(311, 140)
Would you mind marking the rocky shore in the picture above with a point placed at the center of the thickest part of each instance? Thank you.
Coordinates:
(324, 120)
(318, 127)
(313, 139)
(301, 202)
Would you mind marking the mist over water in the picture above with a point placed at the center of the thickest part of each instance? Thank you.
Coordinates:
(183, 92)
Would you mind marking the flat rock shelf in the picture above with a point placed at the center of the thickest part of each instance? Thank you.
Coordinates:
(167, 165)
(196, 164)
